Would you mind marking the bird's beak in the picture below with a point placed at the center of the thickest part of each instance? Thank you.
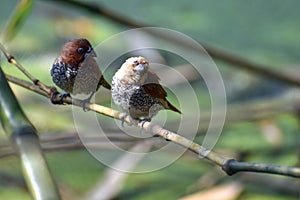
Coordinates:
(140, 67)
(92, 53)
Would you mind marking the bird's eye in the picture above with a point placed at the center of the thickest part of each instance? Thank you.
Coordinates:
(80, 50)
(89, 50)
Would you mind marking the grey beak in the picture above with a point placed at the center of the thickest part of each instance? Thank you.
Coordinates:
(92, 53)
(140, 67)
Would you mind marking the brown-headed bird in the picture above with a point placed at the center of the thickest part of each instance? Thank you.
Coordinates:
(137, 91)
(76, 71)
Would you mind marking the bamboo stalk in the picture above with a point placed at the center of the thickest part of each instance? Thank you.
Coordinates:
(26, 143)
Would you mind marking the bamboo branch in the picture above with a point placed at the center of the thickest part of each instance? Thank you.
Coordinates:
(230, 166)
(235, 60)
(26, 143)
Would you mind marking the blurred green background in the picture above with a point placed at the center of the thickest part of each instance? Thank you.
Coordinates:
(265, 32)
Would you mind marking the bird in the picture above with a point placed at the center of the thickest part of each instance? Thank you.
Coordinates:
(76, 71)
(137, 91)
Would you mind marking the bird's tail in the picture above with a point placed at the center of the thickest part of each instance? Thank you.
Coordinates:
(171, 107)
(104, 83)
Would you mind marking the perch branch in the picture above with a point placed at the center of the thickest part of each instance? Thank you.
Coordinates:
(13, 61)
(25, 141)
(230, 166)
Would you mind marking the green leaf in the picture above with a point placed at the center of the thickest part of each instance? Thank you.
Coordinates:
(18, 17)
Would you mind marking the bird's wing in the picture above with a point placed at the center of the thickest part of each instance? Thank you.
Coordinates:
(91, 67)
(152, 86)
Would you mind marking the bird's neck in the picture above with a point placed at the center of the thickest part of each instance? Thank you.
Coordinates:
(72, 62)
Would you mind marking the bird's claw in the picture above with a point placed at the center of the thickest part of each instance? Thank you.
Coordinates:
(131, 121)
(53, 97)
(83, 104)
(143, 121)
(61, 97)
(85, 101)
(124, 115)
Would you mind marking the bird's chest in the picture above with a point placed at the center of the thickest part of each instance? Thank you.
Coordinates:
(73, 79)
(121, 92)
(86, 81)
(63, 76)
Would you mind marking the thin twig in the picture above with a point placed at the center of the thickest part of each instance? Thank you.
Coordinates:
(35, 81)
(25, 84)
(230, 166)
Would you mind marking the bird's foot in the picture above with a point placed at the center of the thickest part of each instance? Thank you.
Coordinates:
(130, 122)
(54, 97)
(61, 97)
(143, 121)
(83, 104)
(124, 115)
(85, 101)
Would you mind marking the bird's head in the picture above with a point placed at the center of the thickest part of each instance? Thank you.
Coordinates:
(134, 70)
(137, 65)
(76, 50)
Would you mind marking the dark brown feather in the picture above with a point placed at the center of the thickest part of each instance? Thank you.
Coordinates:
(152, 86)
(171, 107)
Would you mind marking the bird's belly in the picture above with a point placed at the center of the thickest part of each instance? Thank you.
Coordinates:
(121, 95)
(141, 105)
(133, 100)
(86, 81)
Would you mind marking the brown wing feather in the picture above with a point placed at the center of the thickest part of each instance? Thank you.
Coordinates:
(152, 86)
(154, 89)
(92, 68)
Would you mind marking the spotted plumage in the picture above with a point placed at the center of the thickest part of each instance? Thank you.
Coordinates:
(63, 75)
(136, 90)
